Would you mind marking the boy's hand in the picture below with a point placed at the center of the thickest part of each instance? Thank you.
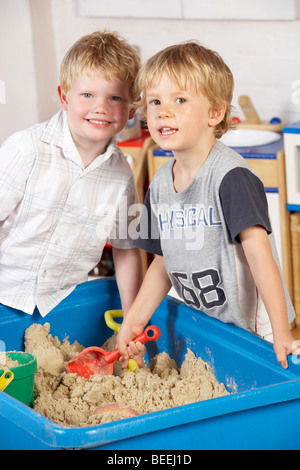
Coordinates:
(137, 352)
(128, 348)
(285, 344)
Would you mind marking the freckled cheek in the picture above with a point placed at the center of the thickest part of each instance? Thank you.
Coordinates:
(79, 109)
(122, 114)
(151, 125)
(151, 119)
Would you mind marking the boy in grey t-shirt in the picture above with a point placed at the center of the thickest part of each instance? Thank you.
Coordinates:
(206, 214)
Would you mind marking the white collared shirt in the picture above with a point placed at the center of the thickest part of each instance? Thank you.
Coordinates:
(56, 215)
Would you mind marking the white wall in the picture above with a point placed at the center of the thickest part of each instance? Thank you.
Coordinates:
(18, 106)
(263, 55)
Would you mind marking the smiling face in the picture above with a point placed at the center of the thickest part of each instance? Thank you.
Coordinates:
(97, 109)
(179, 120)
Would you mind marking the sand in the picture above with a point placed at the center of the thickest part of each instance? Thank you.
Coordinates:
(6, 363)
(72, 401)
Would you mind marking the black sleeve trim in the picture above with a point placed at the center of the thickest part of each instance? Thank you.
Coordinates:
(244, 202)
(147, 235)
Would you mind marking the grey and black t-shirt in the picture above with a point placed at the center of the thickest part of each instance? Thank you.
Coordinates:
(197, 233)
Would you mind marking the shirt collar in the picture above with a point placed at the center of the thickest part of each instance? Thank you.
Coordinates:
(53, 131)
(69, 148)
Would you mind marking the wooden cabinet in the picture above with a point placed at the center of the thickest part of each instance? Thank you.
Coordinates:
(136, 152)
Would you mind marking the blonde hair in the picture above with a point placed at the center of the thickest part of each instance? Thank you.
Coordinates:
(191, 65)
(103, 53)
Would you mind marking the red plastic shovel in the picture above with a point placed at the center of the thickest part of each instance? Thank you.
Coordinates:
(95, 360)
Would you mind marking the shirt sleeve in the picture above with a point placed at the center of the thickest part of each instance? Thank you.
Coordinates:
(244, 202)
(13, 176)
(122, 233)
(147, 235)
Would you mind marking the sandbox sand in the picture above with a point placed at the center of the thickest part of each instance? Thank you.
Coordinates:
(6, 363)
(71, 400)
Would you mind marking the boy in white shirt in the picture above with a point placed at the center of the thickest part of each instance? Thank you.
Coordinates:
(65, 186)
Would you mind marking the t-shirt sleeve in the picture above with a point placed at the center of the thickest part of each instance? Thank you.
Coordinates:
(147, 235)
(244, 202)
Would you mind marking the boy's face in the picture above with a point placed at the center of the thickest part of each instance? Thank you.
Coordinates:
(178, 120)
(97, 110)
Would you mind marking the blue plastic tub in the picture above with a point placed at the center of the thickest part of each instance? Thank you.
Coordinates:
(262, 412)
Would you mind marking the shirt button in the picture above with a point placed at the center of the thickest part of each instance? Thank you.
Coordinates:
(57, 242)
(44, 274)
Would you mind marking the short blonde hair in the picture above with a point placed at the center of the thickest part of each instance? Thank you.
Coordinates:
(191, 65)
(103, 53)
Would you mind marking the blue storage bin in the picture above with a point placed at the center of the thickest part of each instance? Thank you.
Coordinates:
(262, 411)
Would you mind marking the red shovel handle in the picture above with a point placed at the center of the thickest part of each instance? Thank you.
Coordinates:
(151, 333)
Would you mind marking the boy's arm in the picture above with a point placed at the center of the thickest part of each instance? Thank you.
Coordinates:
(14, 172)
(266, 275)
(155, 287)
(129, 274)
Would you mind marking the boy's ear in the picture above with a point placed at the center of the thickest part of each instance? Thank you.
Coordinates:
(131, 112)
(217, 114)
(62, 97)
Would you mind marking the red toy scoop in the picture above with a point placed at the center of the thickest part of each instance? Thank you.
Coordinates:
(95, 360)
